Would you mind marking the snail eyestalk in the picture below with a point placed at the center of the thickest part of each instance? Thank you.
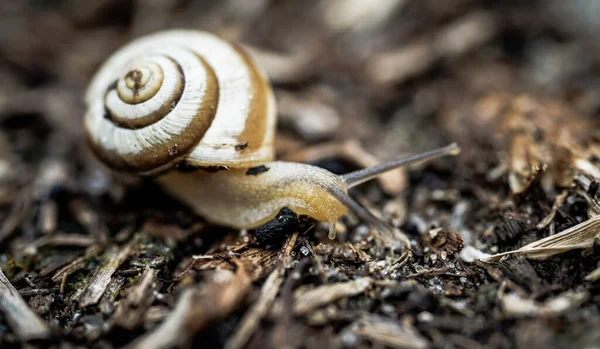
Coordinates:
(355, 178)
(389, 232)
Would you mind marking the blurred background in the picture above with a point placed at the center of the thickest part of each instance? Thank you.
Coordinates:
(390, 68)
(373, 79)
(394, 65)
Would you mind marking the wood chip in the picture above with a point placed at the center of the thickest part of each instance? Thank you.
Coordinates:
(107, 302)
(198, 307)
(268, 292)
(309, 300)
(257, 261)
(252, 318)
(593, 276)
(97, 285)
(558, 202)
(76, 264)
(389, 333)
(26, 324)
(514, 305)
(130, 311)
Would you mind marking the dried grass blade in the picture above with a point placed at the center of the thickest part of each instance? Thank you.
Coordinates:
(579, 236)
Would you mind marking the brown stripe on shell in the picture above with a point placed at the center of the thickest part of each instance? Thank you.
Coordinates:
(151, 160)
(155, 116)
(112, 159)
(256, 123)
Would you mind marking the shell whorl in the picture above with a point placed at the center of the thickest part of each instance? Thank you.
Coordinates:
(180, 96)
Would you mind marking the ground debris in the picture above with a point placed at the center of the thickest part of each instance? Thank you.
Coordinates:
(101, 278)
(307, 300)
(130, 310)
(593, 276)
(558, 202)
(257, 261)
(503, 246)
(269, 291)
(580, 236)
(198, 307)
(389, 333)
(515, 306)
(544, 137)
(444, 242)
(26, 324)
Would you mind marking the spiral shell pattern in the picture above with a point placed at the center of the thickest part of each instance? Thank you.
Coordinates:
(180, 96)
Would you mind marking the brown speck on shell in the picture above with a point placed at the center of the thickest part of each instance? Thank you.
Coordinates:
(255, 171)
(241, 146)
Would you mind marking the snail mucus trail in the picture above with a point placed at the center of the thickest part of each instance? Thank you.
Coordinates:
(189, 97)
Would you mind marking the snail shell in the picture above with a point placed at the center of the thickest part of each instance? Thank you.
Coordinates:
(180, 96)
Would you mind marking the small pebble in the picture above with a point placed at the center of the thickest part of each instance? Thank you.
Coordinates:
(349, 339)
(425, 316)
(304, 250)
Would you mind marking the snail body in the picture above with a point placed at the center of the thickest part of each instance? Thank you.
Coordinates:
(198, 113)
(254, 199)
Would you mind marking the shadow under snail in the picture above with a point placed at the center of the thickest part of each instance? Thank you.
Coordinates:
(182, 99)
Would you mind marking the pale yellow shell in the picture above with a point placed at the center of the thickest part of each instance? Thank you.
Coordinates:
(180, 96)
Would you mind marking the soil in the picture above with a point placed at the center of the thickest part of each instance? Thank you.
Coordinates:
(94, 259)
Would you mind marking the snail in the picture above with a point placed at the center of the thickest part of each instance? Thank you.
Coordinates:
(198, 113)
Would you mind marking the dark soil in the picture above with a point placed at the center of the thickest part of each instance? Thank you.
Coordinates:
(103, 260)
